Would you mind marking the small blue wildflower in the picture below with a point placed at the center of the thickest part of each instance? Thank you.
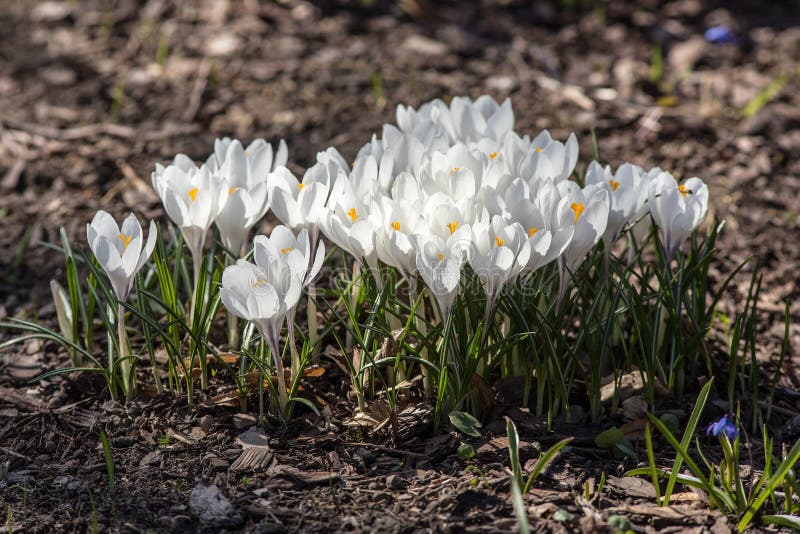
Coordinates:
(725, 425)
(720, 35)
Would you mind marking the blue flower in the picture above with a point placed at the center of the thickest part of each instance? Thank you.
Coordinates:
(720, 35)
(725, 425)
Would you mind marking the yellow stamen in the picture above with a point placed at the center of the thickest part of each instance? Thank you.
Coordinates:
(193, 194)
(578, 208)
(441, 257)
(300, 186)
(683, 190)
(285, 250)
(537, 149)
(453, 226)
(395, 225)
(614, 184)
(532, 231)
(493, 155)
(499, 241)
(232, 190)
(352, 214)
(455, 170)
(126, 240)
(259, 282)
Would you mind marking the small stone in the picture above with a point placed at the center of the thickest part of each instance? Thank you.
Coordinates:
(394, 482)
(425, 46)
(223, 44)
(58, 399)
(150, 458)
(634, 407)
(181, 523)
(253, 438)
(504, 84)
(372, 485)
(242, 421)
(218, 464)
(205, 422)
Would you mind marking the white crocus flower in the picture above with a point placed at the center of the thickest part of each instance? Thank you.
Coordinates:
(445, 216)
(470, 120)
(299, 204)
(543, 158)
(440, 265)
(624, 193)
(396, 223)
(243, 188)
(121, 252)
(587, 211)
(297, 252)
(259, 154)
(676, 209)
(407, 150)
(346, 222)
(499, 251)
(191, 199)
(456, 173)
(263, 294)
(641, 219)
(546, 240)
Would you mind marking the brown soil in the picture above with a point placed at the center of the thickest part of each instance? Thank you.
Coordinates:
(93, 93)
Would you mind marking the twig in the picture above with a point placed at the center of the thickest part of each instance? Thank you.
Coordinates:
(390, 450)
(93, 130)
(199, 88)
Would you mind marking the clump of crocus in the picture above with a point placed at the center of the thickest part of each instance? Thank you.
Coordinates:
(121, 253)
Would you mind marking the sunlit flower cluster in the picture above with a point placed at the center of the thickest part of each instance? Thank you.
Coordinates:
(450, 186)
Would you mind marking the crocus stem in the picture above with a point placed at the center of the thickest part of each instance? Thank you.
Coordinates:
(295, 369)
(128, 378)
(311, 311)
(419, 320)
(563, 282)
(197, 260)
(233, 321)
(354, 290)
(283, 396)
(233, 331)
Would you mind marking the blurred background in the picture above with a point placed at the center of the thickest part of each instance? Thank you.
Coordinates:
(94, 93)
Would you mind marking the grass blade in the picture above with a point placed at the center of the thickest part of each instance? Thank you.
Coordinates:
(702, 398)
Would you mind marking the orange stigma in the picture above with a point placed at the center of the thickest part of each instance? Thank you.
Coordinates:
(578, 208)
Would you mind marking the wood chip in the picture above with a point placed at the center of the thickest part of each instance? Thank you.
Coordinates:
(182, 436)
(252, 459)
